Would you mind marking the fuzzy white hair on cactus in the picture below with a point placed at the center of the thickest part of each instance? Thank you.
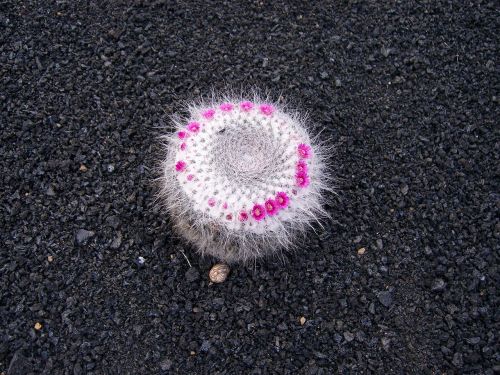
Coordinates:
(242, 179)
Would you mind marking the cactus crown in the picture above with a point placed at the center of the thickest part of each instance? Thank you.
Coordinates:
(242, 178)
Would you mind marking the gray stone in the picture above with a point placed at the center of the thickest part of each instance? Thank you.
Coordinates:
(458, 360)
(192, 274)
(19, 364)
(205, 346)
(113, 221)
(166, 364)
(385, 298)
(50, 191)
(117, 241)
(77, 369)
(385, 342)
(474, 340)
(83, 235)
(438, 285)
(348, 336)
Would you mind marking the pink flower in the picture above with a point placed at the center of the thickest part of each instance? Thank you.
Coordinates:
(282, 199)
(211, 202)
(183, 146)
(180, 166)
(224, 206)
(189, 177)
(271, 207)
(209, 113)
(226, 107)
(194, 127)
(182, 135)
(229, 217)
(304, 151)
(301, 166)
(258, 212)
(266, 109)
(243, 216)
(246, 106)
(302, 179)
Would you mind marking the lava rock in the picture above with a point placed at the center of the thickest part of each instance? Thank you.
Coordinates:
(404, 92)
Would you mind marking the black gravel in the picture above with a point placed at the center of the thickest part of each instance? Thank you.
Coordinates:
(409, 93)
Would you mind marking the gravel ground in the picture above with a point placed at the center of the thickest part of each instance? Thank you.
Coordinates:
(403, 281)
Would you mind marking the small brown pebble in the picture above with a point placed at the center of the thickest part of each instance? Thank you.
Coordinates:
(38, 326)
(192, 352)
(50, 258)
(361, 251)
(83, 168)
(219, 273)
(302, 320)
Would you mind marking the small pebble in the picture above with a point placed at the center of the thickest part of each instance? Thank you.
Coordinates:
(348, 336)
(38, 326)
(361, 251)
(140, 261)
(474, 340)
(50, 191)
(385, 51)
(205, 346)
(385, 342)
(302, 320)
(117, 241)
(385, 298)
(438, 285)
(166, 364)
(218, 273)
(83, 235)
(50, 258)
(83, 168)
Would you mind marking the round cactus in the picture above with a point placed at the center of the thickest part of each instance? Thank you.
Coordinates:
(242, 179)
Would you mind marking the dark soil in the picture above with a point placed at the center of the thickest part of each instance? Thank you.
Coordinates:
(409, 93)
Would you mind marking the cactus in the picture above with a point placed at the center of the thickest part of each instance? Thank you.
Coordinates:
(242, 179)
